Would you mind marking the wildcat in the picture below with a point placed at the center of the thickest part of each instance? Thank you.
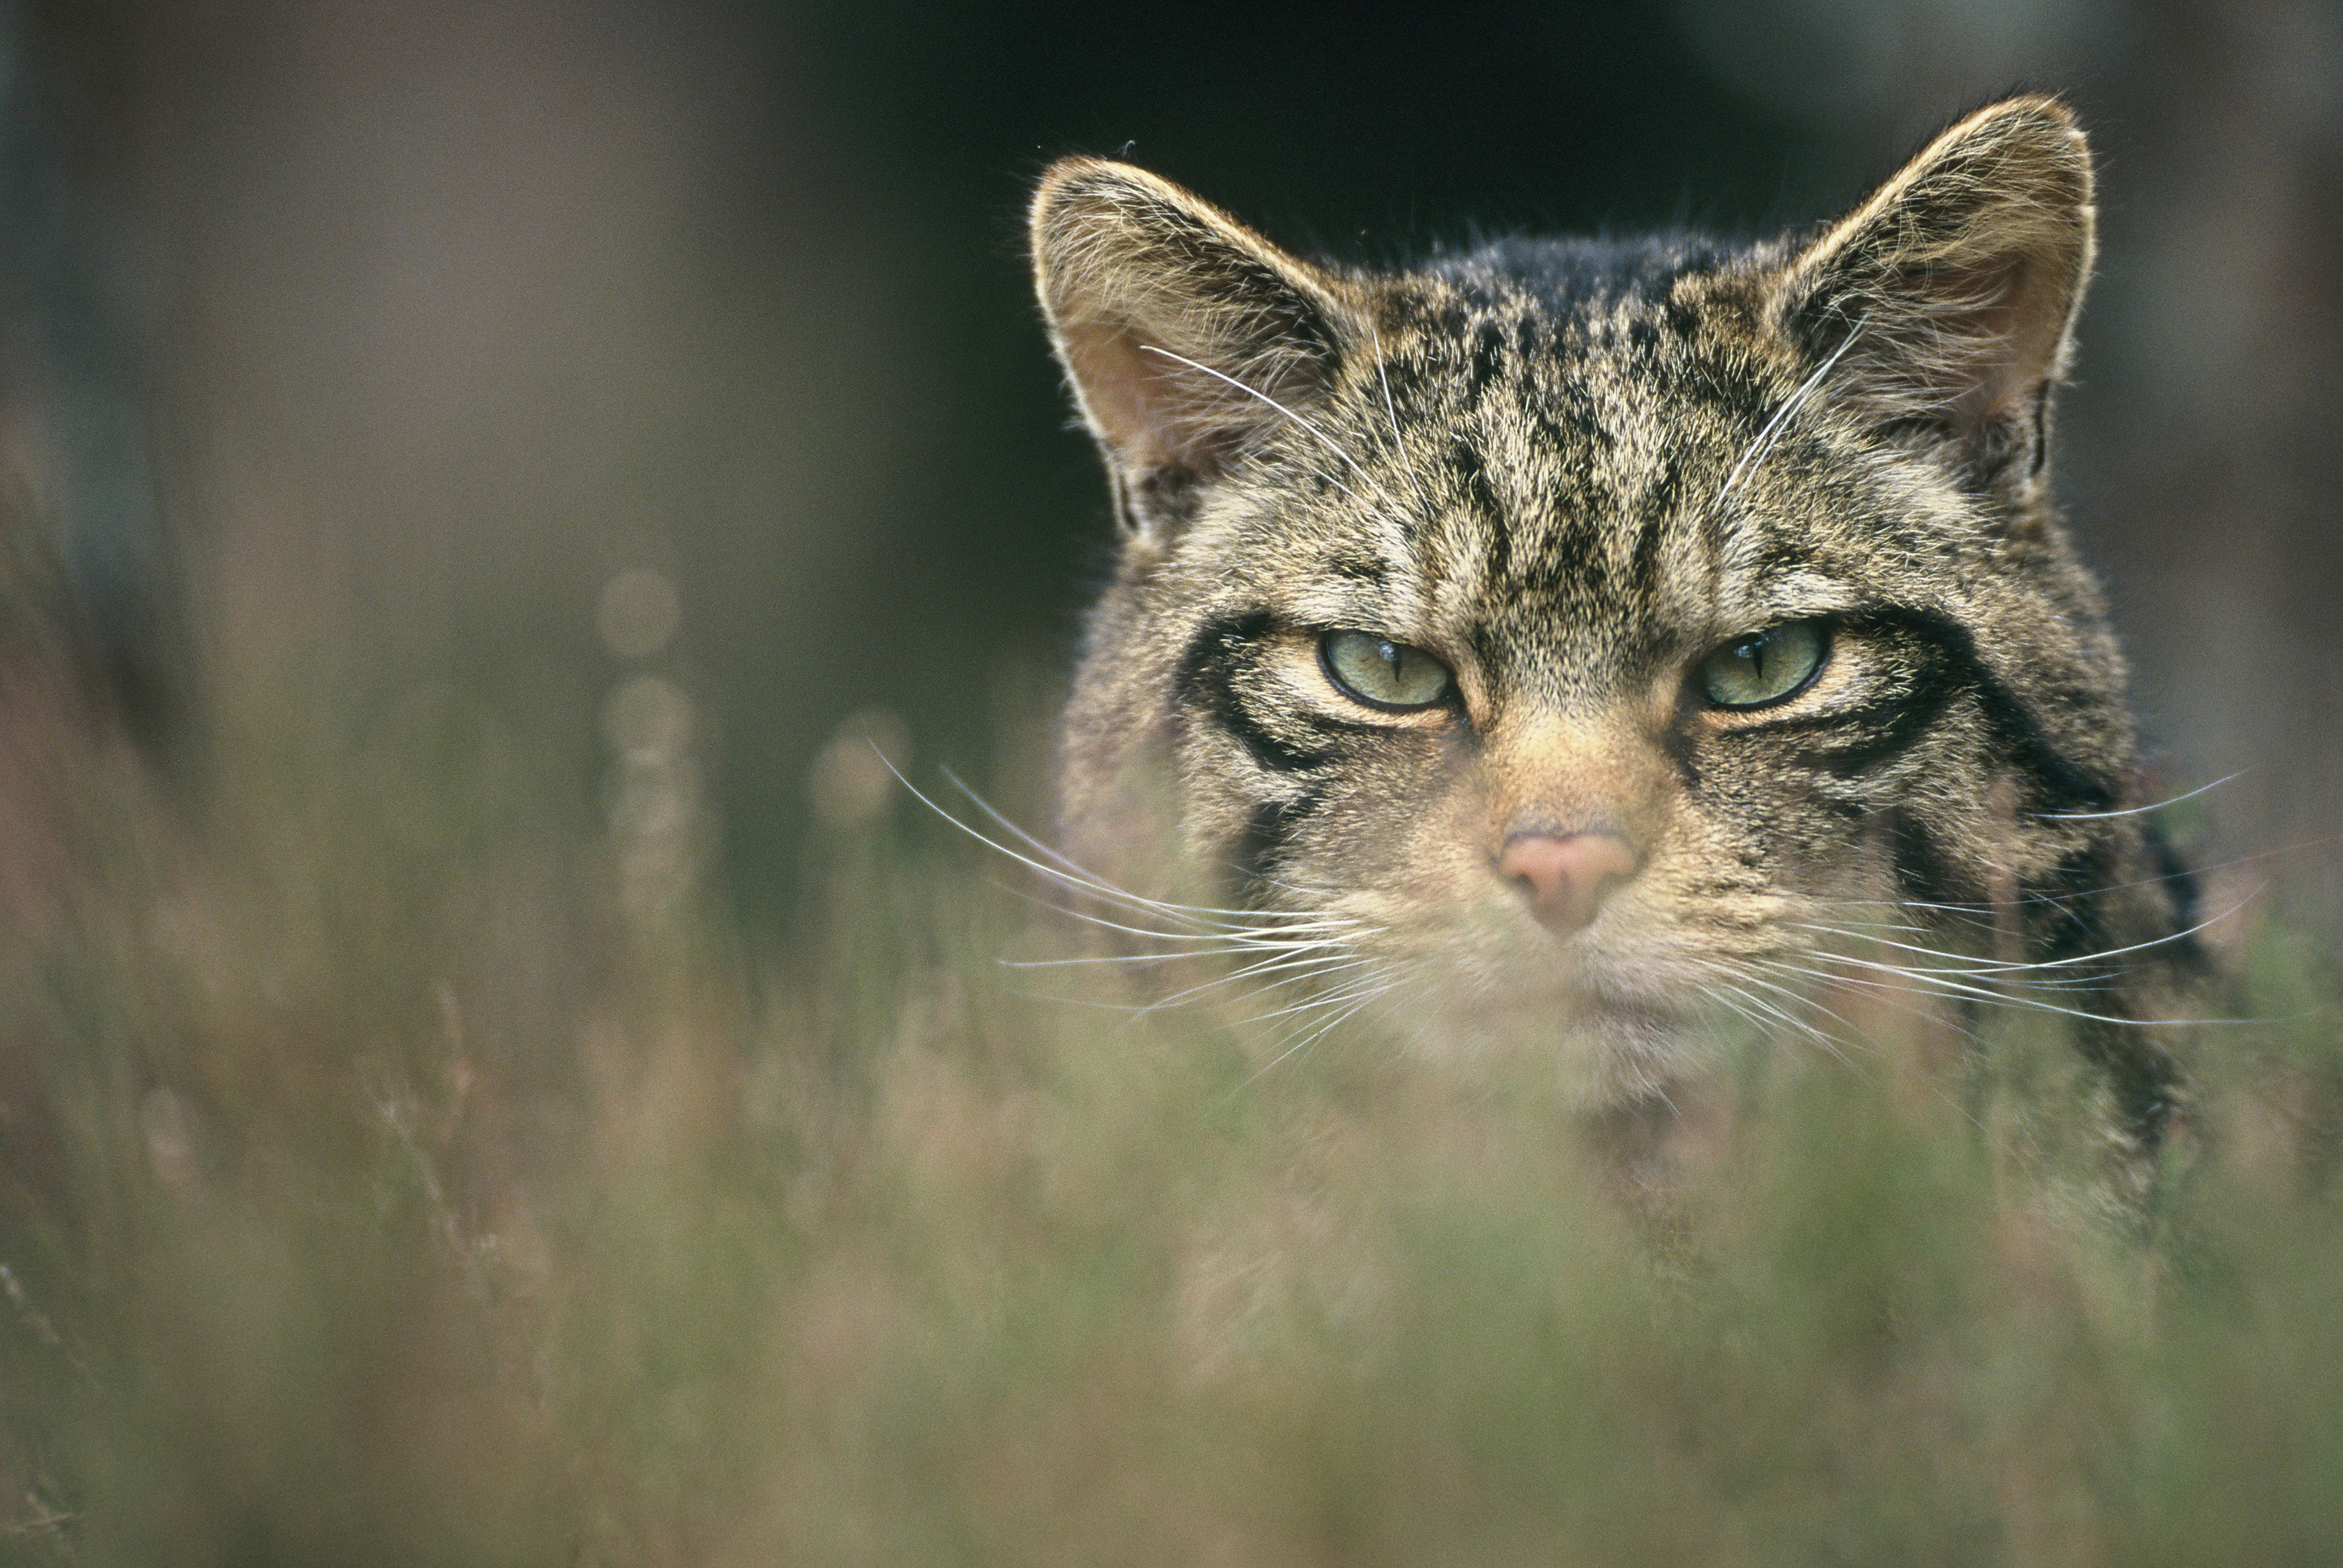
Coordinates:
(1559, 646)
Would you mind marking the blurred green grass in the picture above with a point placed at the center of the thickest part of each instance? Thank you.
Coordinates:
(407, 1162)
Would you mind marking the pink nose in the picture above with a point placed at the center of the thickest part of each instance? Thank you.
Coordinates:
(1566, 878)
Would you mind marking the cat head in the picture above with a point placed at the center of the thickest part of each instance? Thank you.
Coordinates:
(1584, 630)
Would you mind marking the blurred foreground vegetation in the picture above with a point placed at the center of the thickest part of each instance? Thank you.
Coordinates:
(408, 1162)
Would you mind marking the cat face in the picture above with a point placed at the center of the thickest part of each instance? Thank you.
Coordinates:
(1585, 638)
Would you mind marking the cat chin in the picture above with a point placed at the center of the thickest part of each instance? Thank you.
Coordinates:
(1603, 1056)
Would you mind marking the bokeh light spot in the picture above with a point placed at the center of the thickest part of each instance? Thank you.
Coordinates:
(639, 612)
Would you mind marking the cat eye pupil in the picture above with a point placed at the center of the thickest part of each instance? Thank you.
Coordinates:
(1766, 668)
(1381, 673)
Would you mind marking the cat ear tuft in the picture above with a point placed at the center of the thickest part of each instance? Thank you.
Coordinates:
(1181, 330)
(1959, 280)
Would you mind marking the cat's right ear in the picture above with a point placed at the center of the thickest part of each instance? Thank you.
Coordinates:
(1185, 335)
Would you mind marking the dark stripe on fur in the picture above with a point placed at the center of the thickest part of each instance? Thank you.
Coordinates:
(1206, 683)
(2057, 784)
(1921, 873)
(1269, 835)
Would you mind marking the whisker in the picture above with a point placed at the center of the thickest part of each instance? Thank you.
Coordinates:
(1780, 966)
(1329, 928)
(1754, 1010)
(2010, 967)
(1938, 980)
(1798, 999)
(1994, 906)
(1741, 1002)
(1091, 879)
(1209, 924)
(1325, 945)
(2136, 810)
(1136, 1009)
(1302, 971)
(1234, 939)
(1335, 997)
(1899, 1005)
(1293, 945)
(1332, 444)
(1912, 927)
(1399, 444)
(1957, 963)
(1352, 998)
(1771, 429)
(1315, 1035)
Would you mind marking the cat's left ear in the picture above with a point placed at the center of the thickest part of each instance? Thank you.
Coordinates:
(1958, 281)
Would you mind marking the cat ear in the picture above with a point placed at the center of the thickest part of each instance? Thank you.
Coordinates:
(1949, 296)
(1184, 334)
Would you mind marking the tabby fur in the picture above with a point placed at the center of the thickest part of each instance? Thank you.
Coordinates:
(1570, 470)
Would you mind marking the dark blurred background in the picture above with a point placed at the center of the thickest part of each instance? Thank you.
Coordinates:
(684, 352)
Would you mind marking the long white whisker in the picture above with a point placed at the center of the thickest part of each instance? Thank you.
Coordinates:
(1299, 923)
(1989, 907)
(1302, 970)
(1399, 444)
(1381, 980)
(1754, 1011)
(1295, 949)
(1937, 980)
(1233, 937)
(1746, 977)
(1002, 819)
(2136, 810)
(1310, 1039)
(1100, 884)
(1912, 926)
(2014, 967)
(1074, 876)
(1793, 995)
(1770, 430)
(1128, 1009)
(1749, 1006)
(1348, 991)
(1897, 1004)
(1332, 444)
(1084, 882)
(1962, 964)
(1889, 1000)
(1278, 948)
(1095, 958)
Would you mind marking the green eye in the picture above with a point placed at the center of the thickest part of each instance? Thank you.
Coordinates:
(1381, 673)
(1752, 671)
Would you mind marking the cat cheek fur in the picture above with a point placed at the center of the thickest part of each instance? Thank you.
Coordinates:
(1571, 469)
